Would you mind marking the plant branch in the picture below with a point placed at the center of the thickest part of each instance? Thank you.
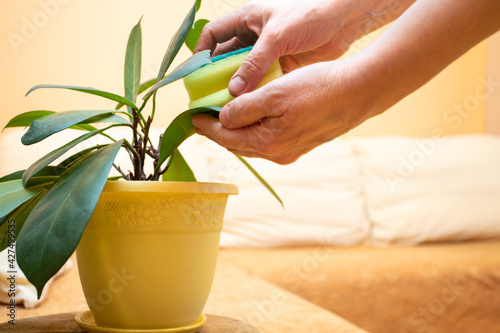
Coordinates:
(120, 171)
(146, 140)
(166, 167)
(156, 175)
(154, 107)
(129, 147)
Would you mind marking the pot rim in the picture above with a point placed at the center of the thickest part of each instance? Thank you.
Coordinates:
(170, 187)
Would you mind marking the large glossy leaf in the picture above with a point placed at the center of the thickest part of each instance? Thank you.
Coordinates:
(47, 171)
(13, 194)
(262, 180)
(106, 118)
(73, 159)
(133, 64)
(55, 226)
(177, 41)
(87, 90)
(25, 119)
(195, 33)
(12, 176)
(55, 154)
(190, 65)
(18, 217)
(83, 127)
(56, 122)
(178, 169)
(180, 129)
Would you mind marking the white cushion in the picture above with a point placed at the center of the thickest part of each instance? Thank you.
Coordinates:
(322, 194)
(25, 292)
(420, 190)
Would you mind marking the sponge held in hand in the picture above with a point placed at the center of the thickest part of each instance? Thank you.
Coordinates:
(207, 86)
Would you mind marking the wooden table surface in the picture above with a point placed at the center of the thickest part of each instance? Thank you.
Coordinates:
(235, 294)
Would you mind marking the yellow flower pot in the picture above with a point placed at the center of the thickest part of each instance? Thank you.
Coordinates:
(147, 257)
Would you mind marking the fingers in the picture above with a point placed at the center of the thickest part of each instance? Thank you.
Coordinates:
(212, 128)
(248, 109)
(243, 27)
(244, 142)
(224, 28)
(229, 46)
(258, 61)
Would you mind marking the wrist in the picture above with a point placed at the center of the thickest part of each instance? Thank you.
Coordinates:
(368, 16)
(349, 96)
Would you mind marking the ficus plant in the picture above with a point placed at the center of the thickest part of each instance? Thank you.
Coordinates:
(46, 207)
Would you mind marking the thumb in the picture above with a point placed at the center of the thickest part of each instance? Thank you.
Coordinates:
(253, 68)
(242, 111)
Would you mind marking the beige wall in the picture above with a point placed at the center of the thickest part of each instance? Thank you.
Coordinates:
(493, 69)
(83, 42)
(451, 103)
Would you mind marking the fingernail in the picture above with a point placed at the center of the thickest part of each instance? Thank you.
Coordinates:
(224, 116)
(237, 85)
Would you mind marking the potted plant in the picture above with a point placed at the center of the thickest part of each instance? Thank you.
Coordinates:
(146, 247)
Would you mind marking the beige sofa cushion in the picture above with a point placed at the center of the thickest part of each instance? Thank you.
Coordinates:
(420, 189)
(322, 194)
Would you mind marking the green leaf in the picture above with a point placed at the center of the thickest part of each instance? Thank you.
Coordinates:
(47, 171)
(42, 181)
(180, 129)
(57, 222)
(83, 127)
(12, 176)
(133, 64)
(142, 88)
(19, 216)
(190, 65)
(87, 90)
(198, 5)
(195, 33)
(262, 180)
(13, 194)
(70, 161)
(25, 119)
(106, 118)
(178, 170)
(56, 122)
(55, 154)
(177, 41)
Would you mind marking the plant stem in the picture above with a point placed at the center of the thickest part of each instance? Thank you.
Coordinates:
(137, 159)
(145, 141)
(130, 148)
(120, 171)
(156, 175)
(154, 107)
(127, 114)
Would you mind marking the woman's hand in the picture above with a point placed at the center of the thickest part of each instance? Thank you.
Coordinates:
(291, 115)
(314, 104)
(297, 32)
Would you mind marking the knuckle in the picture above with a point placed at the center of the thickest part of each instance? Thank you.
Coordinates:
(252, 65)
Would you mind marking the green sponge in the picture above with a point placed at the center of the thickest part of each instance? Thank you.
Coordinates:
(207, 86)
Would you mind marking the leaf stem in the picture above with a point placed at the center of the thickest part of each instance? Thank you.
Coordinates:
(154, 107)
